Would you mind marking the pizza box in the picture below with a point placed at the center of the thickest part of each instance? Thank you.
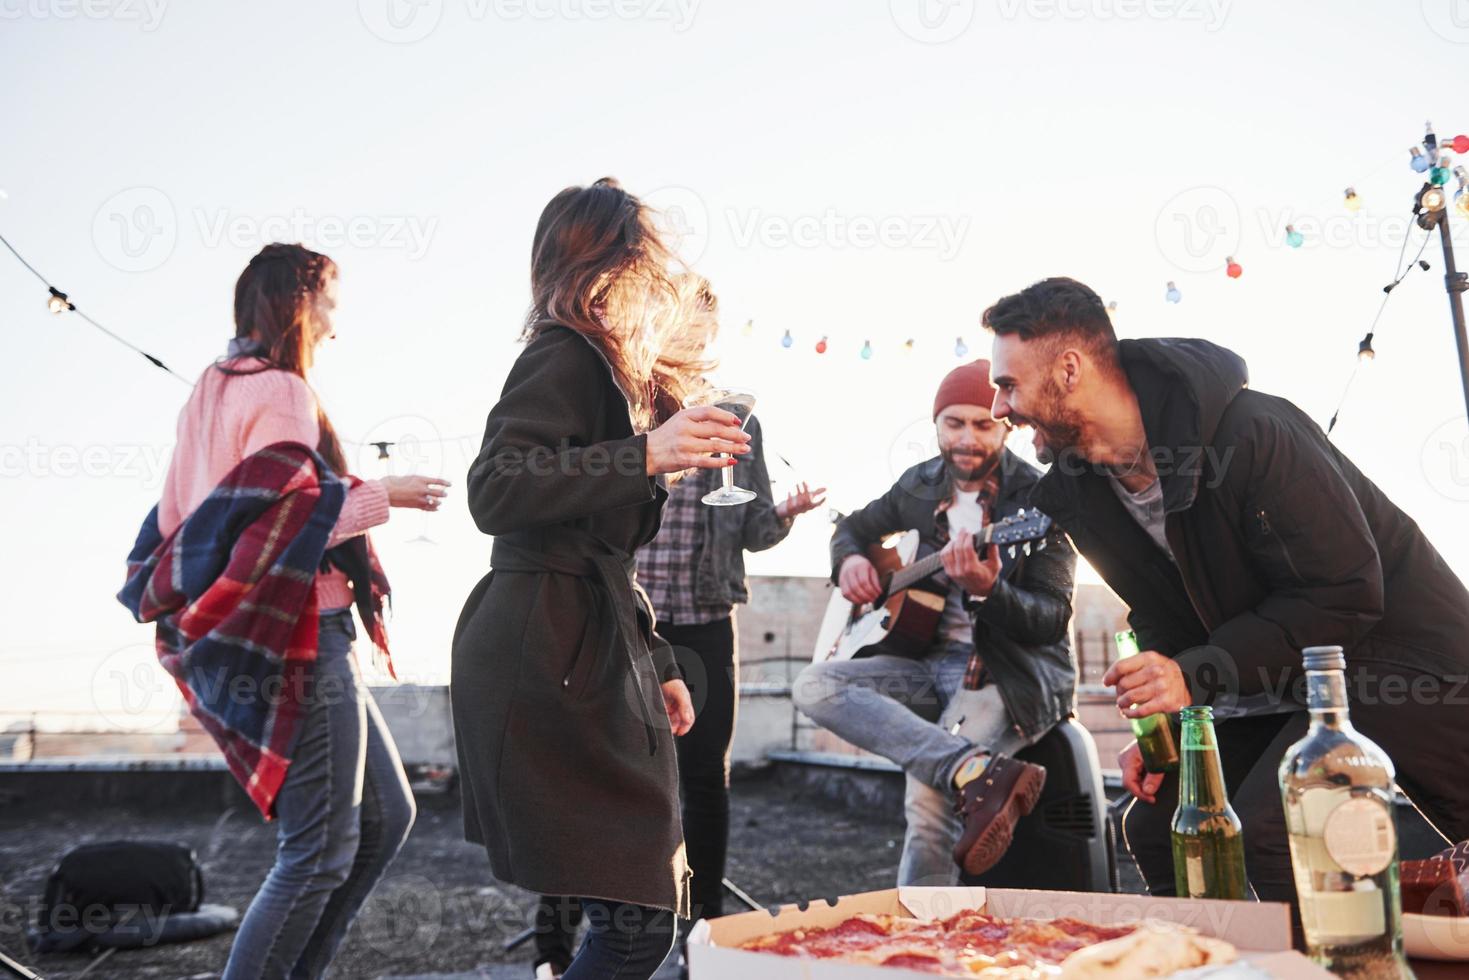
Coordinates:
(1261, 931)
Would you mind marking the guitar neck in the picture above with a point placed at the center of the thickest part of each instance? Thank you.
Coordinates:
(924, 567)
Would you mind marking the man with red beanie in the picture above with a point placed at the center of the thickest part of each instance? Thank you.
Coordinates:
(999, 674)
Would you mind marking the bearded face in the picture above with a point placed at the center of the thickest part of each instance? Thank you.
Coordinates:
(970, 440)
(1027, 394)
(1056, 427)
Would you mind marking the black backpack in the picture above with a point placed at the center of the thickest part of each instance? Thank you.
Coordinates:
(97, 885)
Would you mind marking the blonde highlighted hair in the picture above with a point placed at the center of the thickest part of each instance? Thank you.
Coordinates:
(600, 266)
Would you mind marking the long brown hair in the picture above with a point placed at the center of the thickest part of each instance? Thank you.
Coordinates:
(599, 266)
(275, 301)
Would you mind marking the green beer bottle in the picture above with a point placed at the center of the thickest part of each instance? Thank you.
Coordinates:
(1208, 844)
(1154, 733)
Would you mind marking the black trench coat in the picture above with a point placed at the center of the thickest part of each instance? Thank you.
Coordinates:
(566, 759)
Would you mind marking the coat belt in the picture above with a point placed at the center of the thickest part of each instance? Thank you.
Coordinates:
(610, 571)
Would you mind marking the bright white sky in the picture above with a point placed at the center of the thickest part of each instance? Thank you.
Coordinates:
(864, 170)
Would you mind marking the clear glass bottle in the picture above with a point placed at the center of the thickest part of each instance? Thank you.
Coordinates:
(1208, 840)
(1154, 733)
(1337, 787)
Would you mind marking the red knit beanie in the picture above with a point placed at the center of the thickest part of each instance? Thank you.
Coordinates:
(968, 384)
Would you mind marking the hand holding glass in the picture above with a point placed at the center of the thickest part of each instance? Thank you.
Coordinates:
(739, 402)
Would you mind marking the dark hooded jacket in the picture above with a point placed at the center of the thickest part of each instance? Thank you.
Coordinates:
(1279, 542)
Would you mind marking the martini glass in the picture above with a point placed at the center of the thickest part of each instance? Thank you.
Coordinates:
(739, 402)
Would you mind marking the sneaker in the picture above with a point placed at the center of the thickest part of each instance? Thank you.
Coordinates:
(990, 805)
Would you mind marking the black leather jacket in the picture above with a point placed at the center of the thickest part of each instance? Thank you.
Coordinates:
(1021, 629)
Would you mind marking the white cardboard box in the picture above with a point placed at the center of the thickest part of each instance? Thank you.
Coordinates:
(1260, 930)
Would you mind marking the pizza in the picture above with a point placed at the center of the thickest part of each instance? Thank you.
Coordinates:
(973, 944)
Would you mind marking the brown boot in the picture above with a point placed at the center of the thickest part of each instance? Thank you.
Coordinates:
(991, 805)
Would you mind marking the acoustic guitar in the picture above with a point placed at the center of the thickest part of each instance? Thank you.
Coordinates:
(904, 620)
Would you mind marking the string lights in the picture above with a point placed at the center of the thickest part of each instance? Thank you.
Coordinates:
(1429, 213)
(58, 302)
(1446, 186)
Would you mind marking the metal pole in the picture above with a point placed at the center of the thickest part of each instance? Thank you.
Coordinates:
(1456, 283)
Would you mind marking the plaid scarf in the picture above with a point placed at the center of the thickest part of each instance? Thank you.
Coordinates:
(232, 593)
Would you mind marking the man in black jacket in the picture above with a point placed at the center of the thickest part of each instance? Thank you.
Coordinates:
(1238, 535)
(1000, 673)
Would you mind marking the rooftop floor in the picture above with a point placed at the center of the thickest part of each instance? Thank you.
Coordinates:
(438, 912)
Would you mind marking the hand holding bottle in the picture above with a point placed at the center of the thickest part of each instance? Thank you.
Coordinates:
(1135, 777)
(1148, 684)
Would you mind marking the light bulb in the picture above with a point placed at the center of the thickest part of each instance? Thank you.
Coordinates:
(1173, 295)
(58, 303)
(1417, 160)
(1461, 201)
(1365, 353)
(1353, 202)
(960, 348)
(1233, 269)
(787, 340)
(1432, 199)
(866, 350)
(748, 328)
(1460, 143)
(1439, 175)
(908, 346)
(1112, 308)
(1293, 238)
(821, 346)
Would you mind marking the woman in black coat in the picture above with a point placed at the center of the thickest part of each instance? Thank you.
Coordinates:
(565, 702)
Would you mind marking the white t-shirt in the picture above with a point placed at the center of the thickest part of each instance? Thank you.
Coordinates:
(965, 514)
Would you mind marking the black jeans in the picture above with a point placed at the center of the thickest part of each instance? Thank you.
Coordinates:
(1416, 719)
(623, 942)
(710, 663)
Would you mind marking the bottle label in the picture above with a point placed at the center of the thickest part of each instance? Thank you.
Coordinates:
(1194, 867)
(1360, 836)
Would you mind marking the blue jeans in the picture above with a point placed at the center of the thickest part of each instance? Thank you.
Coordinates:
(342, 814)
(624, 941)
(905, 710)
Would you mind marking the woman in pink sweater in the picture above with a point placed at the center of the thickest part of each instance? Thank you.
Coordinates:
(345, 807)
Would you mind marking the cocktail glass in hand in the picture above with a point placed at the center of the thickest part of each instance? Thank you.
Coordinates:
(739, 402)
